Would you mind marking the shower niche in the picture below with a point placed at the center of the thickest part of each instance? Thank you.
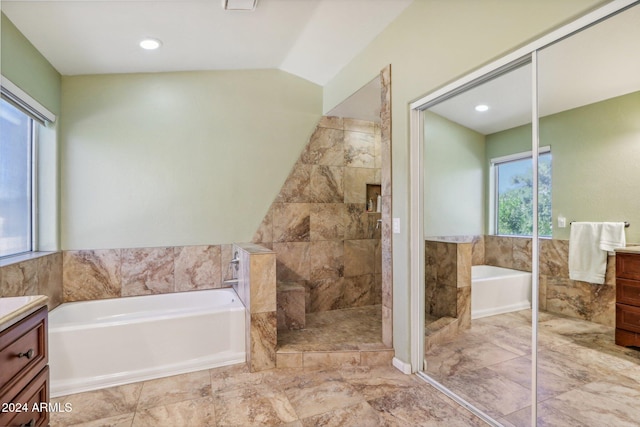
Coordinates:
(374, 198)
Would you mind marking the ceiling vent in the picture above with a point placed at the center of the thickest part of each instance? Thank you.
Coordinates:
(239, 4)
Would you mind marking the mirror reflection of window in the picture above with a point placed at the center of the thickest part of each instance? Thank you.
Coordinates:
(514, 195)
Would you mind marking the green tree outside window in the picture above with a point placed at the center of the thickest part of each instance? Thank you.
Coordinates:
(515, 197)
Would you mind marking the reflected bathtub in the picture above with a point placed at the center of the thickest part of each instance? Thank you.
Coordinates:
(104, 343)
(497, 290)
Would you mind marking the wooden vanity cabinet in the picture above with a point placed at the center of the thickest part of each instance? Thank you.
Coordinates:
(628, 299)
(24, 374)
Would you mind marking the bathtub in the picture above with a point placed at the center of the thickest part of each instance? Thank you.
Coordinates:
(497, 290)
(103, 343)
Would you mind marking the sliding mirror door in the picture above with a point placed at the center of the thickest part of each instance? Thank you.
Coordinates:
(589, 107)
(478, 251)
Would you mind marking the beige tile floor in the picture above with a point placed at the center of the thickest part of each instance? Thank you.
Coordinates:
(584, 379)
(231, 396)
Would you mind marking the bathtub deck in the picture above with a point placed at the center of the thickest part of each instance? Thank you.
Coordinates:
(348, 329)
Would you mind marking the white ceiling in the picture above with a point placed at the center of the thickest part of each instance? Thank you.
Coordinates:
(312, 39)
(598, 63)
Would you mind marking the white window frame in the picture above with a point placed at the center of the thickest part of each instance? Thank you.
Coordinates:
(493, 183)
(39, 115)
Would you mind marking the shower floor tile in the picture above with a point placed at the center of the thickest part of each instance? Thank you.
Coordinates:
(357, 328)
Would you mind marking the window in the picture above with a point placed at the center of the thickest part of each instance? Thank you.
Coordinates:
(16, 180)
(514, 194)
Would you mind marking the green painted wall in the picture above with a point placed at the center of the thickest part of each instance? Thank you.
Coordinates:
(431, 43)
(178, 158)
(27, 68)
(596, 153)
(454, 165)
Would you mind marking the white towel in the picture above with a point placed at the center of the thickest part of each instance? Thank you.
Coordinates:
(587, 262)
(612, 236)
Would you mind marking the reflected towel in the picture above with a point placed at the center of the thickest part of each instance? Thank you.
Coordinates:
(587, 262)
(612, 236)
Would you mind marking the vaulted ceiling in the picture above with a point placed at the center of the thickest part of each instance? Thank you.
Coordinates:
(312, 39)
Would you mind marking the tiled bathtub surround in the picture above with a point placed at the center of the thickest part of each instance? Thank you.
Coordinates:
(40, 275)
(112, 273)
(558, 294)
(318, 225)
(256, 287)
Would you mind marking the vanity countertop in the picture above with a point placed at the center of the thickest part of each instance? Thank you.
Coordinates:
(630, 250)
(12, 309)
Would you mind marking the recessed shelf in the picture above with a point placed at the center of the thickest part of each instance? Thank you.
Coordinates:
(373, 191)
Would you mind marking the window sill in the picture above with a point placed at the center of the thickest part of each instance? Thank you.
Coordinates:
(15, 259)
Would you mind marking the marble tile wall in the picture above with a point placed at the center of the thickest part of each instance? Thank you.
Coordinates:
(318, 225)
(41, 275)
(383, 160)
(557, 293)
(112, 273)
(448, 279)
(256, 287)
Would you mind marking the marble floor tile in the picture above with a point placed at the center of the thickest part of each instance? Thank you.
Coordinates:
(516, 340)
(196, 412)
(595, 409)
(420, 406)
(175, 389)
(361, 414)
(232, 377)
(376, 382)
(456, 357)
(253, 406)
(94, 405)
(124, 420)
(518, 370)
(616, 388)
(319, 398)
(563, 366)
(546, 417)
(489, 391)
(597, 359)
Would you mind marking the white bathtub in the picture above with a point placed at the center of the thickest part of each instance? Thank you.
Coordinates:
(497, 290)
(103, 343)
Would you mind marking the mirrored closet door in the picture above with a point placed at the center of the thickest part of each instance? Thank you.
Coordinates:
(559, 118)
(589, 109)
(478, 253)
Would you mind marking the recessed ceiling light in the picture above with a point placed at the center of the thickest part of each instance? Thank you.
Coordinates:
(150, 44)
(482, 107)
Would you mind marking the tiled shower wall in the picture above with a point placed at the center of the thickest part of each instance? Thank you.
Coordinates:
(557, 293)
(318, 225)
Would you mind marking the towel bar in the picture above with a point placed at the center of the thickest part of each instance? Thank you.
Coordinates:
(626, 224)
